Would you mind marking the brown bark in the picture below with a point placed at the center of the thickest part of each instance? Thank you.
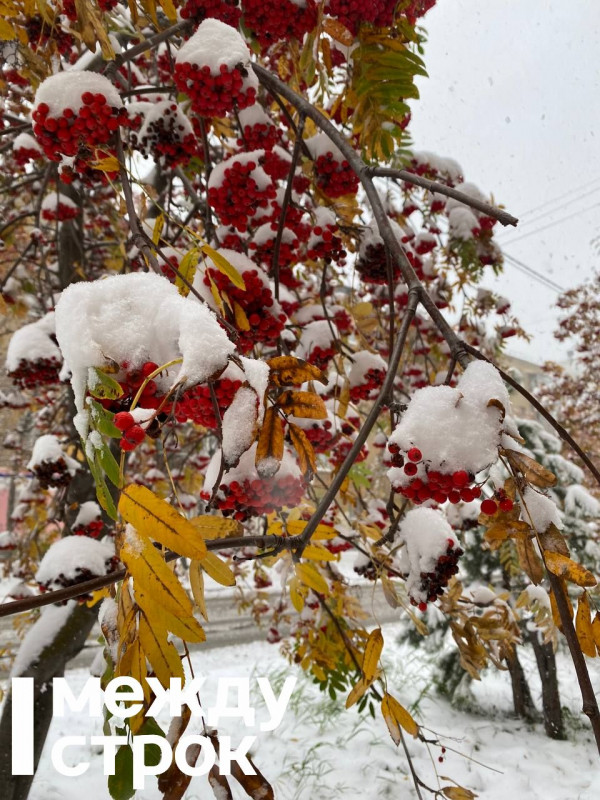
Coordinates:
(546, 661)
(522, 700)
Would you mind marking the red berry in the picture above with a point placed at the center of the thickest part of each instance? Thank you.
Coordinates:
(489, 507)
(135, 435)
(414, 454)
(506, 504)
(124, 444)
(410, 469)
(460, 478)
(422, 606)
(123, 420)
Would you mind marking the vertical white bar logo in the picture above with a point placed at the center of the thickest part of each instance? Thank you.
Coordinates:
(22, 726)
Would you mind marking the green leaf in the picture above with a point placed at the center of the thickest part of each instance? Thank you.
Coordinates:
(102, 493)
(102, 385)
(187, 270)
(103, 420)
(120, 785)
(109, 464)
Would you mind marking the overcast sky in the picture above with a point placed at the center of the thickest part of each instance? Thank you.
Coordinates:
(513, 95)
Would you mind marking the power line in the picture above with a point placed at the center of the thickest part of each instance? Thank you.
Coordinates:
(559, 208)
(559, 197)
(532, 273)
(550, 225)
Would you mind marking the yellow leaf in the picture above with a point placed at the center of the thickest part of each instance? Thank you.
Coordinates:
(159, 224)
(185, 626)
(583, 626)
(7, 32)
(292, 371)
(396, 717)
(152, 575)
(216, 527)
(567, 568)
(338, 31)
(316, 552)
(197, 585)
(296, 594)
(295, 527)
(187, 270)
(241, 320)
(224, 266)
(372, 653)
(169, 9)
(156, 518)
(269, 448)
(216, 295)
(458, 793)
(108, 164)
(357, 691)
(161, 653)
(311, 577)
(217, 569)
(596, 631)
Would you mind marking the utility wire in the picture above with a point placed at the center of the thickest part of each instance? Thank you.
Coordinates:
(532, 273)
(559, 197)
(550, 225)
(551, 211)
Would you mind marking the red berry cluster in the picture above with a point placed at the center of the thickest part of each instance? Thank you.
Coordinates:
(262, 250)
(41, 372)
(276, 20)
(343, 447)
(433, 583)
(133, 434)
(61, 212)
(321, 356)
(239, 196)
(92, 125)
(40, 33)
(372, 379)
(93, 529)
(52, 473)
(227, 11)
(259, 136)
(23, 155)
(256, 301)
(321, 435)
(168, 139)
(434, 485)
(196, 404)
(372, 265)
(324, 243)
(82, 574)
(259, 496)
(351, 13)
(500, 500)
(214, 95)
(335, 178)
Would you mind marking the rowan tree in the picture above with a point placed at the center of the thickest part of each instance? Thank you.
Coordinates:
(227, 269)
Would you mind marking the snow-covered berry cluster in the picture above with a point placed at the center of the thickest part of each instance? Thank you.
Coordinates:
(75, 112)
(447, 435)
(133, 434)
(238, 187)
(57, 207)
(227, 11)
(213, 70)
(88, 521)
(242, 493)
(276, 20)
(50, 464)
(367, 373)
(196, 404)
(74, 560)
(33, 358)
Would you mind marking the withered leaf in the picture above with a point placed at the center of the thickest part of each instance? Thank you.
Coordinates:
(269, 449)
(292, 371)
(567, 568)
(306, 405)
(533, 472)
(304, 449)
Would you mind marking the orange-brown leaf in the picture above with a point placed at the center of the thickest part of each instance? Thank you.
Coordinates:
(304, 449)
(583, 626)
(292, 371)
(306, 405)
(532, 471)
(269, 449)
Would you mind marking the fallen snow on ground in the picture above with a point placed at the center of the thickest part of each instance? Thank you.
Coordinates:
(323, 751)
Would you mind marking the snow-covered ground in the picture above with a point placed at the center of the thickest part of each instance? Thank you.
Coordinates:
(323, 751)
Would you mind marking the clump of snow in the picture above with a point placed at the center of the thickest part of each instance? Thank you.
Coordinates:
(321, 334)
(462, 223)
(71, 556)
(427, 535)
(88, 512)
(239, 425)
(246, 469)
(65, 89)
(320, 145)
(579, 502)
(363, 361)
(136, 318)
(41, 634)
(539, 510)
(54, 200)
(25, 141)
(537, 594)
(32, 342)
(454, 428)
(215, 44)
(48, 450)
